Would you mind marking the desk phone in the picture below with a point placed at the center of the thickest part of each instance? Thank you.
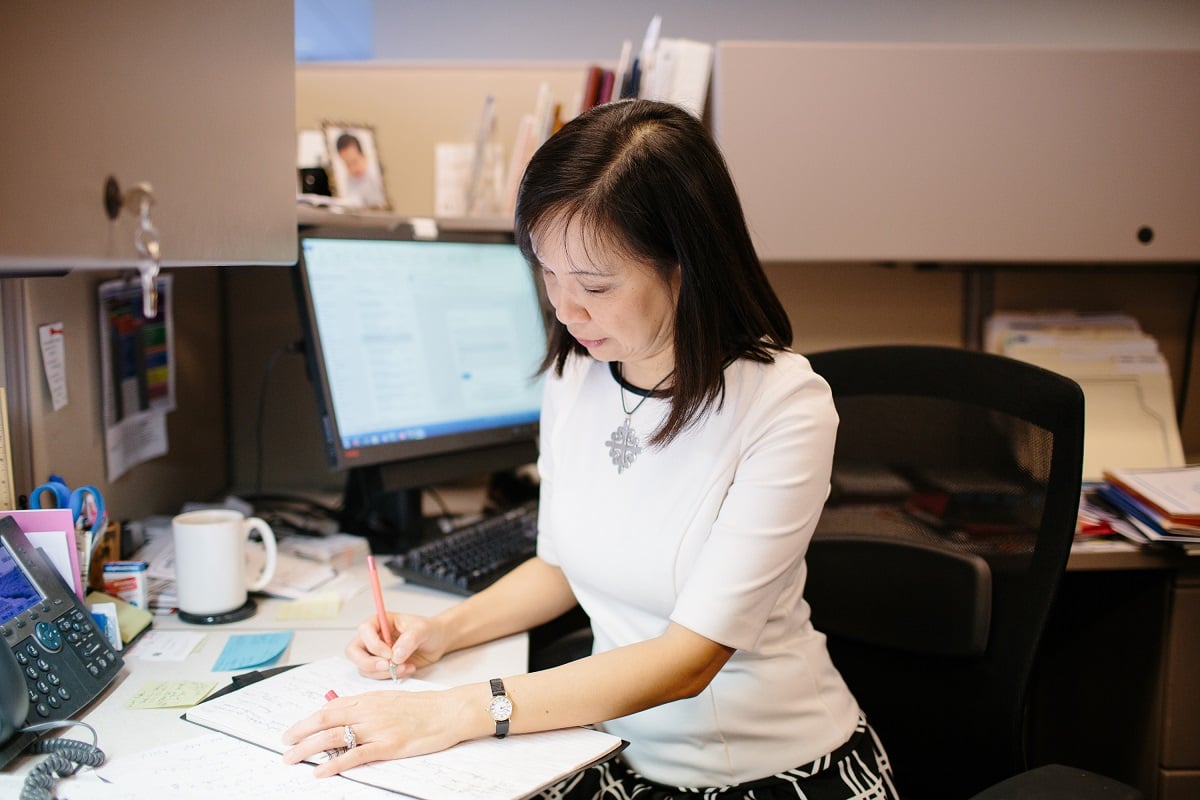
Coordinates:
(50, 638)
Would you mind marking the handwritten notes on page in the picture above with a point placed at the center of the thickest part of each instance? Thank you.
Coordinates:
(170, 694)
(212, 767)
(482, 769)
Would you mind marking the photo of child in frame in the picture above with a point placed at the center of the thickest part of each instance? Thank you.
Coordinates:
(354, 160)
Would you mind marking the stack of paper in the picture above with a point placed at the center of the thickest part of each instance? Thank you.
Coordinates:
(1130, 412)
(1164, 504)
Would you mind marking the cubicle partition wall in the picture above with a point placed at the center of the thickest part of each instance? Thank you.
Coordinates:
(950, 153)
(413, 106)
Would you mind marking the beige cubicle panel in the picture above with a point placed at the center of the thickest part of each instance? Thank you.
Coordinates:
(412, 106)
(963, 153)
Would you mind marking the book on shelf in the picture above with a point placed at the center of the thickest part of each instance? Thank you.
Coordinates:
(680, 74)
(593, 78)
(669, 69)
(482, 769)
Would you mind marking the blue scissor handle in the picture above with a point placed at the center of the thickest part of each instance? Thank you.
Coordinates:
(79, 498)
(74, 500)
(57, 487)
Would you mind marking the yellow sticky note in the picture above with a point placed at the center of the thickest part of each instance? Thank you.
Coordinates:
(322, 605)
(170, 694)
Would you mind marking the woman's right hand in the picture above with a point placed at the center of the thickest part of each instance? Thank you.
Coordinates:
(418, 642)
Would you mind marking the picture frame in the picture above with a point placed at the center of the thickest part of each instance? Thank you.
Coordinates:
(356, 172)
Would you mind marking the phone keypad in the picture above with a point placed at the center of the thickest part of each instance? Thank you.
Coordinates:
(49, 694)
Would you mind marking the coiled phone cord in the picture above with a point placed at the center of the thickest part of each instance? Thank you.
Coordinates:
(66, 757)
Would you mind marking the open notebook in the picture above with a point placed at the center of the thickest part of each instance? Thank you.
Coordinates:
(484, 769)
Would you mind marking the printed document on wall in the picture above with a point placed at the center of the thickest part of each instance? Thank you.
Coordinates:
(137, 374)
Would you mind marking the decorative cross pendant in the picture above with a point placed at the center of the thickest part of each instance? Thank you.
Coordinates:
(623, 447)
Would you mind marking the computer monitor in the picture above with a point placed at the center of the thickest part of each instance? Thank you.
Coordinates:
(423, 353)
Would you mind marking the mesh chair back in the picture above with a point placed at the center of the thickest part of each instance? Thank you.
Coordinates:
(976, 455)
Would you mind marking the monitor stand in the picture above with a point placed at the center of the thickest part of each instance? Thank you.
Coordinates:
(390, 520)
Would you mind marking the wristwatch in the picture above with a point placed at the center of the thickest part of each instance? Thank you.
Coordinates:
(500, 707)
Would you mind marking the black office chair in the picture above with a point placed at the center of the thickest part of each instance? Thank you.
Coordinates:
(955, 490)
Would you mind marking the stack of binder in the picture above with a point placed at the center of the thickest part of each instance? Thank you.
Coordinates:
(1129, 409)
(1162, 504)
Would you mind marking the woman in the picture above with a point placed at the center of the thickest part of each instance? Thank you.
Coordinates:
(685, 460)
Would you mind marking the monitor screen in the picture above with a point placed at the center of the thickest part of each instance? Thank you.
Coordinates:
(423, 352)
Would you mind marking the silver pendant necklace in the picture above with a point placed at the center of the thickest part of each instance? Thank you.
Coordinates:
(623, 444)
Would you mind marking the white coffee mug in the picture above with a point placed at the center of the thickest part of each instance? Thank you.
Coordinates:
(211, 561)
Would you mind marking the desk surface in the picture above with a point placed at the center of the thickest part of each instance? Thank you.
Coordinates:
(124, 731)
(1101, 555)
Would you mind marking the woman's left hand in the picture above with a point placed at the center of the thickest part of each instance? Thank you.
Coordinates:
(385, 725)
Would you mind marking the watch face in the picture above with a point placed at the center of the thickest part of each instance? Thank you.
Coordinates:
(501, 708)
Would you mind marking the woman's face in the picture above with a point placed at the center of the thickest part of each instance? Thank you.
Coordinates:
(619, 309)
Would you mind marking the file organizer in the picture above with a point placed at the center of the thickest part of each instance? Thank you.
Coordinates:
(1129, 408)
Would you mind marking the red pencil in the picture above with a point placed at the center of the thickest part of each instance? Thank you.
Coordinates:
(385, 627)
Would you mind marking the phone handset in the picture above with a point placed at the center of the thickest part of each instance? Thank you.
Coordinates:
(14, 699)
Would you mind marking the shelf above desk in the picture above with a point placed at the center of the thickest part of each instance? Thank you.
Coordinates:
(904, 152)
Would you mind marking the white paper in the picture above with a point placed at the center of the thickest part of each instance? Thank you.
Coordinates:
(54, 362)
(57, 548)
(452, 163)
(311, 150)
(134, 441)
(211, 766)
(480, 769)
(137, 374)
(167, 645)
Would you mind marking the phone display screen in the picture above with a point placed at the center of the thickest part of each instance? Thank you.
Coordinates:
(17, 592)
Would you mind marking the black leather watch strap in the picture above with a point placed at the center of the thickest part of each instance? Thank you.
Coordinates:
(500, 707)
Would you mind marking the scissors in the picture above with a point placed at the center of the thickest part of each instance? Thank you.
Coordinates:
(86, 503)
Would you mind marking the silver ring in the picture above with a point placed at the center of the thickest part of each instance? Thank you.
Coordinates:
(349, 738)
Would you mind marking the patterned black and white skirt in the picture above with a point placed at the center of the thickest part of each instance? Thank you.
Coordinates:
(858, 770)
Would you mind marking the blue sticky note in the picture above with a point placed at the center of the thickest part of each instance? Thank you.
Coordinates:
(247, 650)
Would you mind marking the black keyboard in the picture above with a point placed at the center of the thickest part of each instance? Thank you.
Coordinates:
(474, 556)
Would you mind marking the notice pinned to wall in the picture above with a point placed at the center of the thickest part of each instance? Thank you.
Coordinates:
(54, 361)
(137, 360)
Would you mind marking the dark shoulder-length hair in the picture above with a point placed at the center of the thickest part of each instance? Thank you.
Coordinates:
(645, 179)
